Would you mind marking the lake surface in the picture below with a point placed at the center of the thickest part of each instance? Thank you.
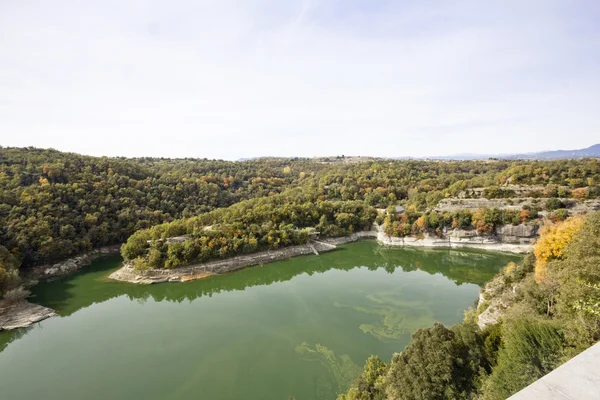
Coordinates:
(301, 327)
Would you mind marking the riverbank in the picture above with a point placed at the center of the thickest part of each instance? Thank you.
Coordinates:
(209, 268)
(70, 265)
(514, 239)
(22, 314)
(522, 243)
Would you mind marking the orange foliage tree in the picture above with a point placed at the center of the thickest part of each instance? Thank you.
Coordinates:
(580, 193)
(553, 240)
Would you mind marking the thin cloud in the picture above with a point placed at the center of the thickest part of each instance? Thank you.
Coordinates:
(231, 79)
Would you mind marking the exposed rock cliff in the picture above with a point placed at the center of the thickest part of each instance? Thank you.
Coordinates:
(517, 239)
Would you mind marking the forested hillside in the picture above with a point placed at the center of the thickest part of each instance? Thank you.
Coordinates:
(551, 312)
(54, 205)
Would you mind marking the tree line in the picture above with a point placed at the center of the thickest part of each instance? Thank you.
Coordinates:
(246, 227)
(54, 205)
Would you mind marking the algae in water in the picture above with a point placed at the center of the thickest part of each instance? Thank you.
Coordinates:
(342, 368)
(398, 317)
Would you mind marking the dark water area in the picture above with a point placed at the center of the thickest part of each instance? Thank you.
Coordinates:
(301, 327)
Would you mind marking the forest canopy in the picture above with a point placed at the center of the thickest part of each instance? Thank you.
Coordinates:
(55, 205)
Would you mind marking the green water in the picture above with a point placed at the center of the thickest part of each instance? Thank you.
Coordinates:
(301, 327)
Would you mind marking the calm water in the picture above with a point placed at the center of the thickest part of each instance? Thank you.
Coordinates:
(301, 327)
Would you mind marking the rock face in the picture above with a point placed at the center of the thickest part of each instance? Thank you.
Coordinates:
(71, 265)
(574, 206)
(495, 299)
(516, 239)
(23, 314)
(517, 234)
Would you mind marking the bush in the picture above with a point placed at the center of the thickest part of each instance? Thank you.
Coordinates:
(16, 295)
(530, 349)
(140, 265)
(439, 363)
(553, 203)
(559, 215)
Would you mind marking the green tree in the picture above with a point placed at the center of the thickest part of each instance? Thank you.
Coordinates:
(530, 349)
(9, 273)
(437, 364)
(370, 384)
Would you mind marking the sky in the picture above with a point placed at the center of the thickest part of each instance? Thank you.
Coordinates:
(233, 79)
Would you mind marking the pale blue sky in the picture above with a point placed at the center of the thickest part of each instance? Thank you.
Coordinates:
(243, 78)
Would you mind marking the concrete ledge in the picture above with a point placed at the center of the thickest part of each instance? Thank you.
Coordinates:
(577, 379)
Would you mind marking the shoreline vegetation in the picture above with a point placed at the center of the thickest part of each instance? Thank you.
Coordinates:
(55, 205)
(531, 318)
(182, 219)
(128, 273)
(23, 313)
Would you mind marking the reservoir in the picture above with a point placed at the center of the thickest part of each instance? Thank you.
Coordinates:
(299, 328)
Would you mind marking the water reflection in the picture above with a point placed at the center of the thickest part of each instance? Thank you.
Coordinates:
(70, 294)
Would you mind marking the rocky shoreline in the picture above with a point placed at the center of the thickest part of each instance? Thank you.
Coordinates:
(507, 238)
(23, 314)
(199, 271)
(70, 265)
(515, 239)
(518, 239)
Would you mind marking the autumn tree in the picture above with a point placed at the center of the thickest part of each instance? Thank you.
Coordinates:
(552, 242)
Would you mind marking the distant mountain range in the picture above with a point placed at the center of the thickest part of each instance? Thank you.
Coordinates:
(592, 151)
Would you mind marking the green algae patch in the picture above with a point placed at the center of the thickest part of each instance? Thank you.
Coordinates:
(342, 368)
(397, 317)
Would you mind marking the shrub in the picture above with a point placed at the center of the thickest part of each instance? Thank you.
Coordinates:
(16, 295)
(553, 203)
(530, 349)
(439, 363)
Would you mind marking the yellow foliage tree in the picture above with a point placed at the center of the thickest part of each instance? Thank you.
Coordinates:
(553, 240)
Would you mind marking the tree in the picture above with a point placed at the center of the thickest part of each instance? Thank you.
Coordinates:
(530, 349)
(553, 204)
(578, 274)
(553, 240)
(140, 265)
(370, 384)
(9, 270)
(437, 364)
